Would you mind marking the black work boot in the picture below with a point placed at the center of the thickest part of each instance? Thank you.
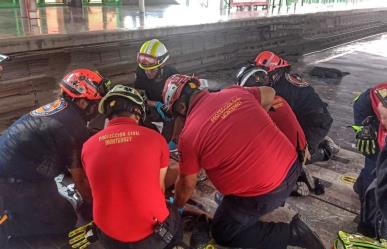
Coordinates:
(331, 145)
(302, 236)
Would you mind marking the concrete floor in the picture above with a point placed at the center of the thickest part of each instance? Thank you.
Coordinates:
(66, 20)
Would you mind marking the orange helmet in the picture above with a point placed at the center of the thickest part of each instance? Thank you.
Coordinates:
(270, 61)
(84, 83)
(174, 86)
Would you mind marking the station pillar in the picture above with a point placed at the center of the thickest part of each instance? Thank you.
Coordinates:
(28, 9)
(141, 6)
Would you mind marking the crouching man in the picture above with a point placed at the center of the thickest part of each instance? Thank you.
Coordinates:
(126, 165)
(248, 159)
(35, 149)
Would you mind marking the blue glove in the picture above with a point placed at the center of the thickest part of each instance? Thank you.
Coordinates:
(160, 107)
(172, 145)
(171, 201)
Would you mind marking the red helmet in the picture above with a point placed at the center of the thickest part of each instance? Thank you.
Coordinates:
(174, 86)
(270, 61)
(84, 83)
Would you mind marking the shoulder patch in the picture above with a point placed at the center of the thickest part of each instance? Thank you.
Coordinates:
(296, 80)
(49, 109)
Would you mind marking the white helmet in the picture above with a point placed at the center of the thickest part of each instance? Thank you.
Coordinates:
(153, 54)
(249, 77)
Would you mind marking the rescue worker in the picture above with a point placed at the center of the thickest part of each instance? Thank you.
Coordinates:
(247, 158)
(38, 147)
(366, 125)
(151, 74)
(370, 135)
(312, 113)
(126, 217)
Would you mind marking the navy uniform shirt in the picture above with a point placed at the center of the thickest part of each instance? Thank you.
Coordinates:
(43, 143)
(362, 108)
(311, 111)
(153, 87)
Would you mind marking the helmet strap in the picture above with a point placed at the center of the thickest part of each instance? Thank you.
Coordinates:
(160, 72)
(157, 76)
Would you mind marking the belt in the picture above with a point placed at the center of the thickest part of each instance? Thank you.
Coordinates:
(10, 180)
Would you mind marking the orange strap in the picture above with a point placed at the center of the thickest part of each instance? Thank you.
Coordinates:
(3, 218)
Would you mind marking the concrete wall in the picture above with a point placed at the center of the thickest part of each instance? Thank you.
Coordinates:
(39, 62)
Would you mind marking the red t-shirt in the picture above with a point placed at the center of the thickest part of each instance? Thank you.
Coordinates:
(285, 119)
(232, 137)
(122, 163)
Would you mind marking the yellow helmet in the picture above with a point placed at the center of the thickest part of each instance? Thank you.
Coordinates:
(153, 54)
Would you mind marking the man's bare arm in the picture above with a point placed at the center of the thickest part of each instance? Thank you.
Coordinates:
(267, 96)
(81, 183)
(163, 173)
(185, 186)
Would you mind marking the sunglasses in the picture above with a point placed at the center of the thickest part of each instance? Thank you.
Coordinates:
(147, 62)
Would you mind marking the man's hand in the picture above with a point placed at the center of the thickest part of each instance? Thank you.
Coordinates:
(161, 109)
(366, 138)
(277, 103)
(83, 236)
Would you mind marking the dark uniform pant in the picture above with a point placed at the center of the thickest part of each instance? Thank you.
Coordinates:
(237, 219)
(35, 209)
(366, 176)
(154, 241)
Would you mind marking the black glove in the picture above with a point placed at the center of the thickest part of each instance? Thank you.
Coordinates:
(83, 236)
(366, 137)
